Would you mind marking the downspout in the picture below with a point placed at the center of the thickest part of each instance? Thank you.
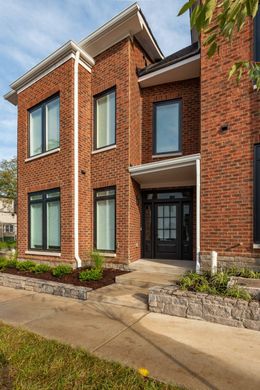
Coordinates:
(76, 160)
(198, 267)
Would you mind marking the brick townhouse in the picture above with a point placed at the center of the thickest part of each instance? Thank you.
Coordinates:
(136, 154)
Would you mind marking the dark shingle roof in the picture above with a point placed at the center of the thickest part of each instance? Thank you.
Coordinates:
(180, 55)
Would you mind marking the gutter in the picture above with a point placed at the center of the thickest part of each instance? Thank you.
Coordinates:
(76, 160)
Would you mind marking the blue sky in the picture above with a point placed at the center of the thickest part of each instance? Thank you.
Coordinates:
(32, 29)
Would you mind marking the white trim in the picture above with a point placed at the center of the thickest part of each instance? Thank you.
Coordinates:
(106, 254)
(162, 165)
(103, 149)
(256, 246)
(42, 155)
(43, 74)
(166, 155)
(85, 66)
(169, 68)
(38, 253)
(76, 159)
(198, 267)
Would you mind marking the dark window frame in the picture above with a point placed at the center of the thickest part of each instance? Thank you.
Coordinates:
(96, 199)
(256, 195)
(95, 99)
(256, 47)
(42, 105)
(162, 103)
(44, 202)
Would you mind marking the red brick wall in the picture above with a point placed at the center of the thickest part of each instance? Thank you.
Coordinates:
(189, 92)
(227, 158)
(55, 170)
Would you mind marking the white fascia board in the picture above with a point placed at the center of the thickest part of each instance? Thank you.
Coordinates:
(163, 165)
(169, 68)
(145, 27)
(112, 23)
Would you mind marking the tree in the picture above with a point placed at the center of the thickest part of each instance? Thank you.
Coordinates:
(8, 178)
(219, 19)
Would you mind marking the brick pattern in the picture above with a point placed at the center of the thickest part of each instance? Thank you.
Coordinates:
(189, 92)
(227, 158)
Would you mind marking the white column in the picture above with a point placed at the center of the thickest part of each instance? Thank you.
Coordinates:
(198, 216)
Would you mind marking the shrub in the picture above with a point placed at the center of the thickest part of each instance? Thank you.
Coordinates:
(91, 274)
(7, 244)
(97, 259)
(41, 268)
(11, 263)
(3, 263)
(61, 270)
(25, 265)
(216, 284)
(243, 272)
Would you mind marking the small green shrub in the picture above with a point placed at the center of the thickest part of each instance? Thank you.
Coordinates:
(238, 292)
(41, 268)
(243, 272)
(97, 259)
(3, 263)
(7, 245)
(25, 265)
(62, 270)
(91, 274)
(11, 263)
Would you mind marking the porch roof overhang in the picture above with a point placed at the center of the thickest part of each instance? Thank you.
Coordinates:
(179, 171)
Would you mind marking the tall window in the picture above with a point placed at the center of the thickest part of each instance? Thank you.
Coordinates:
(105, 119)
(44, 124)
(257, 36)
(167, 127)
(44, 220)
(105, 219)
(257, 195)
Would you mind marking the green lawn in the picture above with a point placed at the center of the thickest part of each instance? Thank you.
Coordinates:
(30, 362)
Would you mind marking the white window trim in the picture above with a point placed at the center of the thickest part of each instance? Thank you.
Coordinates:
(107, 254)
(167, 155)
(256, 246)
(43, 253)
(103, 149)
(42, 155)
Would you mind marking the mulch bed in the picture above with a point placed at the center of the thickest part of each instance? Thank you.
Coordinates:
(73, 278)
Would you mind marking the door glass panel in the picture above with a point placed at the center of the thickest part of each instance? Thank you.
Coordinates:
(160, 223)
(166, 211)
(160, 211)
(166, 234)
(173, 211)
(148, 230)
(160, 234)
(166, 223)
(173, 234)
(186, 222)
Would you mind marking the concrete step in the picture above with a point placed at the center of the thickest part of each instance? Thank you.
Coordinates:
(147, 279)
(123, 295)
(171, 267)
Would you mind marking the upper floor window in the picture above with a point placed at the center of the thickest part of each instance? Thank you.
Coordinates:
(44, 124)
(257, 36)
(44, 220)
(105, 119)
(167, 127)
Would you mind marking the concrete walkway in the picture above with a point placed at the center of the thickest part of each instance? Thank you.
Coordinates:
(198, 355)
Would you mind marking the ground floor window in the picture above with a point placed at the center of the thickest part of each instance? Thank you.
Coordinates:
(105, 219)
(9, 228)
(44, 220)
(257, 194)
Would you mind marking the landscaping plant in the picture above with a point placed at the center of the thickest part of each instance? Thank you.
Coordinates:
(97, 259)
(91, 274)
(216, 284)
(41, 268)
(25, 265)
(62, 270)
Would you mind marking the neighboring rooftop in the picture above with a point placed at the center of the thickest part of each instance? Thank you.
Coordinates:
(174, 58)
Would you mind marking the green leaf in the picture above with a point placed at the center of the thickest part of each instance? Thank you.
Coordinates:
(212, 49)
(186, 6)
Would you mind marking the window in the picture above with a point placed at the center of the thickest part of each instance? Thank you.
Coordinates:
(257, 195)
(44, 126)
(257, 36)
(105, 119)
(167, 124)
(105, 219)
(44, 220)
(9, 228)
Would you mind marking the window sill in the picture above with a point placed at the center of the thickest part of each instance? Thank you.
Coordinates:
(42, 155)
(167, 155)
(103, 149)
(256, 246)
(39, 253)
(107, 254)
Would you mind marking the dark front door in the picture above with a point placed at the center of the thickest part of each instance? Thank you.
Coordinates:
(167, 225)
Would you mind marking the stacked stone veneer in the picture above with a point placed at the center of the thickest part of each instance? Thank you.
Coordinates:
(44, 286)
(227, 311)
(230, 261)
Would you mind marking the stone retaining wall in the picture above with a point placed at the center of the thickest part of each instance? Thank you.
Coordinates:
(227, 311)
(44, 286)
(230, 261)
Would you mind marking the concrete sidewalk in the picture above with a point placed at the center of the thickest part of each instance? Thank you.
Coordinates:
(195, 354)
